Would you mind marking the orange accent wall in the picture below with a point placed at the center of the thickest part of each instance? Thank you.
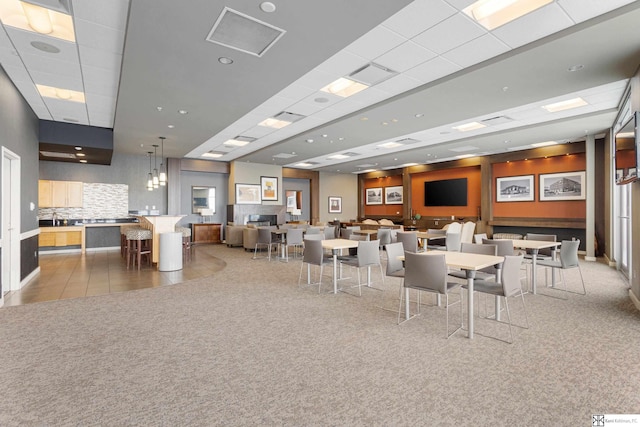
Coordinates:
(473, 192)
(382, 210)
(536, 208)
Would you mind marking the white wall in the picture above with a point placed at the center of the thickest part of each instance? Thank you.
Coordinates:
(340, 185)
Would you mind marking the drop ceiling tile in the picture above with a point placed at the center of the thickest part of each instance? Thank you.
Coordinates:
(41, 112)
(22, 41)
(369, 96)
(51, 66)
(101, 122)
(306, 108)
(18, 74)
(399, 83)
(258, 131)
(9, 57)
(581, 10)
(461, 4)
(342, 64)
(112, 13)
(405, 57)
(99, 36)
(375, 43)
(533, 26)
(317, 79)
(476, 51)
(418, 16)
(100, 103)
(62, 81)
(297, 90)
(432, 70)
(449, 34)
(100, 58)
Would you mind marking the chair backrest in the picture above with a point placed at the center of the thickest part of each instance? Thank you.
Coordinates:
(427, 272)
(505, 247)
(409, 240)
(358, 237)
(286, 226)
(466, 236)
(384, 235)
(544, 238)
(394, 235)
(437, 231)
(316, 236)
(368, 253)
(474, 248)
(264, 235)
(477, 238)
(313, 252)
(345, 233)
(330, 232)
(394, 251)
(569, 253)
(511, 275)
(452, 242)
(454, 227)
(314, 230)
(294, 236)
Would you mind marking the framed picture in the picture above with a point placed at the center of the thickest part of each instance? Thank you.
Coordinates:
(373, 196)
(335, 204)
(248, 194)
(393, 195)
(562, 186)
(269, 187)
(515, 189)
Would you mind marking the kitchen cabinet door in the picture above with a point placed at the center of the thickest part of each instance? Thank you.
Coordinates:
(44, 194)
(74, 194)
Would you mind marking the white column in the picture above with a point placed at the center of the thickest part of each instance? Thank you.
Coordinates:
(590, 231)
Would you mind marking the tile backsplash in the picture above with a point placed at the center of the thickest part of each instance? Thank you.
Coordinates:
(98, 201)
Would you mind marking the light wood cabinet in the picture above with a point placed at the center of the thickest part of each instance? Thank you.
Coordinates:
(205, 233)
(59, 194)
(59, 238)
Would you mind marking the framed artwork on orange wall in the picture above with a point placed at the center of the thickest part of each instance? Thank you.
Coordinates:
(515, 189)
(373, 196)
(562, 186)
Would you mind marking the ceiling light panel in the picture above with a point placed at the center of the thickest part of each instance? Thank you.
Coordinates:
(344, 87)
(491, 14)
(33, 18)
(565, 105)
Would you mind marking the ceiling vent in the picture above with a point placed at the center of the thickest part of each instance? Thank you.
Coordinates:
(372, 74)
(351, 154)
(245, 138)
(241, 32)
(288, 117)
(283, 156)
(407, 141)
(498, 120)
(57, 155)
(62, 6)
(464, 149)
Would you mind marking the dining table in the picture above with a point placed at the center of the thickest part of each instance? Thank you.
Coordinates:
(371, 234)
(535, 246)
(336, 246)
(470, 263)
(425, 236)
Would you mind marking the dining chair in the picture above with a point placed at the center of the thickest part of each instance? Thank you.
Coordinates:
(313, 255)
(508, 287)
(466, 235)
(314, 230)
(543, 254)
(330, 232)
(384, 235)
(568, 260)
(294, 239)
(264, 240)
(428, 273)
(395, 266)
(368, 256)
(477, 238)
(409, 240)
(452, 240)
(474, 248)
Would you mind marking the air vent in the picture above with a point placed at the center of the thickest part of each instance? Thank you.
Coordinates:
(283, 156)
(351, 154)
(244, 138)
(288, 117)
(244, 33)
(408, 141)
(498, 120)
(372, 74)
(58, 155)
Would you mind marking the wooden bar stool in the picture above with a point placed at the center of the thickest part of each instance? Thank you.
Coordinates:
(138, 244)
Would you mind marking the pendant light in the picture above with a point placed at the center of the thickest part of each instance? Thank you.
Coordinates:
(163, 172)
(156, 181)
(150, 176)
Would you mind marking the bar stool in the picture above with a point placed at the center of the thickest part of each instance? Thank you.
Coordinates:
(138, 244)
(123, 237)
(186, 241)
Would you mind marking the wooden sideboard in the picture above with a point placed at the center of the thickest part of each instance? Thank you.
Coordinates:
(205, 233)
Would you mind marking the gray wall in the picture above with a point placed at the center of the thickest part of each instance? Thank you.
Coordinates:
(124, 169)
(302, 185)
(189, 179)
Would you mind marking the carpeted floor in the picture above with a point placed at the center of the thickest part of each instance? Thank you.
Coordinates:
(246, 346)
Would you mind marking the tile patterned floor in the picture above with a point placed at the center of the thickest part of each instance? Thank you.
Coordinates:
(75, 275)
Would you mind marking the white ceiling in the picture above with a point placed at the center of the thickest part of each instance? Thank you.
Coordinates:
(132, 58)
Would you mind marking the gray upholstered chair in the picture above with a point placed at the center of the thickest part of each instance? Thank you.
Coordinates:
(477, 238)
(368, 256)
(473, 248)
(508, 287)
(543, 254)
(264, 241)
(568, 259)
(428, 273)
(330, 232)
(294, 238)
(409, 240)
(313, 255)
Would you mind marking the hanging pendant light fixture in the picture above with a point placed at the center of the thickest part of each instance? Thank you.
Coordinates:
(163, 169)
(156, 180)
(149, 175)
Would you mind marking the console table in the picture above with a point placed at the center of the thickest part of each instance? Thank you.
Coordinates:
(205, 232)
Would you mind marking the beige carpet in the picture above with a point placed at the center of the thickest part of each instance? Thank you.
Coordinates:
(247, 347)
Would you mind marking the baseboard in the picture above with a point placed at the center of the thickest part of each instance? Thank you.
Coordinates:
(27, 279)
(590, 258)
(108, 248)
(634, 299)
(609, 262)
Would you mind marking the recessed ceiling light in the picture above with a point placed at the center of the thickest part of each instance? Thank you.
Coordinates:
(267, 6)
(83, 161)
(159, 108)
(384, 123)
(274, 123)
(469, 126)
(183, 112)
(565, 105)
(573, 68)
(419, 115)
(544, 144)
(80, 154)
(212, 155)
(492, 14)
(465, 156)
(224, 60)
(364, 119)
(170, 126)
(78, 148)
(303, 164)
(344, 87)
(390, 144)
(324, 135)
(310, 140)
(30, 17)
(341, 139)
(338, 157)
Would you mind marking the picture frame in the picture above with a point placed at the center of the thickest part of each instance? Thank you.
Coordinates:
(393, 195)
(515, 189)
(373, 196)
(269, 188)
(335, 204)
(562, 186)
(248, 194)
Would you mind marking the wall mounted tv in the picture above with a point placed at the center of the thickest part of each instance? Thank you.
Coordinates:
(446, 192)
(627, 143)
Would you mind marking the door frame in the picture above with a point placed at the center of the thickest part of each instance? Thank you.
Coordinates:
(10, 222)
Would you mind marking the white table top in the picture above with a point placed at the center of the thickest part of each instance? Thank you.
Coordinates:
(534, 244)
(427, 235)
(365, 232)
(465, 260)
(335, 244)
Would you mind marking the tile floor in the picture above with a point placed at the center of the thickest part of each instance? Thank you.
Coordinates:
(95, 273)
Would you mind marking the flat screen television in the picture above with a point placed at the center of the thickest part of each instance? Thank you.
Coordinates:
(446, 192)
(627, 151)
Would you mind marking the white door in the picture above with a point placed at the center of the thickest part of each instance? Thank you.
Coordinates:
(10, 223)
(622, 234)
